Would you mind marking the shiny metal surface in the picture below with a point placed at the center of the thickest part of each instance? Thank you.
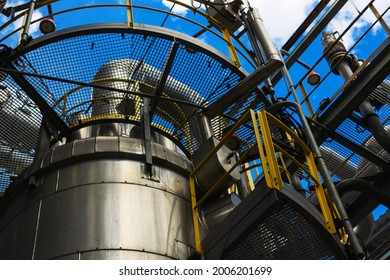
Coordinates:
(112, 75)
(113, 254)
(216, 167)
(17, 237)
(93, 201)
(19, 160)
(11, 116)
(109, 216)
(337, 164)
(214, 212)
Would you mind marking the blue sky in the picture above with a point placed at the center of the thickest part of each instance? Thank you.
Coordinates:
(281, 17)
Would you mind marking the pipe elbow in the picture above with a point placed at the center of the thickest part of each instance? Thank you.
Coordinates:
(375, 125)
(365, 188)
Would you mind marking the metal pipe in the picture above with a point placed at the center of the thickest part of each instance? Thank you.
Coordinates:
(25, 39)
(311, 36)
(296, 182)
(273, 63)
(205, 128)
(366, 167)
(13, 161)
(344, 70)
(365, 188)
(340, 62)
(259, 30)
(356, 247)
(338, 165)
(375, 125)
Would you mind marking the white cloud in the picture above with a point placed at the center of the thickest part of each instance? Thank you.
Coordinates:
(34, 28)
(178, 9)
(350, 11)
(283, 17)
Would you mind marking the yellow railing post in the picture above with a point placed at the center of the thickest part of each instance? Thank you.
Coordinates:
(276, 182)
(130, 19)
(198, 243)
(231, 48)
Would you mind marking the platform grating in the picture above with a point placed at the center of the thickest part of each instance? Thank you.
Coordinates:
(285, 235)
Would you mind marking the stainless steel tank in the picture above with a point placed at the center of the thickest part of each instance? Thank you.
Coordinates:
(90, 199)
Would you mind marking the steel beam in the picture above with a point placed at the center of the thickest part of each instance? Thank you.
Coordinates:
(164, 76)
(305, 24)
(362, 151)
(55, 123)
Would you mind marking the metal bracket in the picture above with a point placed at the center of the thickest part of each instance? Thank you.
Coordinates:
(146, 135)
(164, 76)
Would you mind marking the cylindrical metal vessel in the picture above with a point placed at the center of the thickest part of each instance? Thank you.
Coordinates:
(119, 74)
(90, 199)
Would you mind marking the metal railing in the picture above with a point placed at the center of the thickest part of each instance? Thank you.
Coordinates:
(272, 164)
(235, 47)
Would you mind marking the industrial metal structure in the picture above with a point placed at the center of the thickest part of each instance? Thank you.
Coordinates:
(127, 140)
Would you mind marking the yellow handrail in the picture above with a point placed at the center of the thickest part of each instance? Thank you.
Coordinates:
(270, 155)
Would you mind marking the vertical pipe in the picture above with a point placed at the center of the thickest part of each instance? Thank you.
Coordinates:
(344, 70)
(25, 39)
(344, 219)
(257, 25)
(205, 128)
(336, 55)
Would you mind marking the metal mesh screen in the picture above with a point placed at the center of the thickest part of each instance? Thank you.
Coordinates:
(286, 234)
(101, 76)
(195, 77)
(19, 126)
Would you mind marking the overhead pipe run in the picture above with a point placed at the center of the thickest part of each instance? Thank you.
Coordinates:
(341, 64)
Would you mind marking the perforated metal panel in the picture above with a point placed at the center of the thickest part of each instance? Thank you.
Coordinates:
(285, 235)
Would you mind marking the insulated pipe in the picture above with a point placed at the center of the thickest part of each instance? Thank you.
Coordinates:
(339, 61)
(13, 161)
(365, 188)
(259, 30)
(205, 128)
(25, 39)
(365, 167)
(337, 164)
(12, 117)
